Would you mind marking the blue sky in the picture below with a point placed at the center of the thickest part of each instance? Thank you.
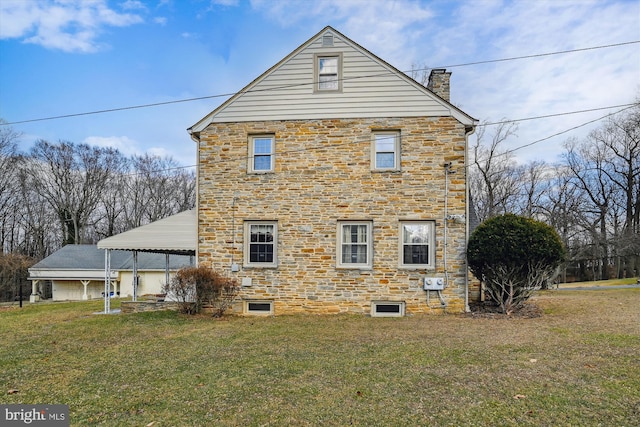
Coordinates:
(63, 57)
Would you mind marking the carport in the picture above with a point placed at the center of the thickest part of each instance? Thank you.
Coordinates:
(176, 234)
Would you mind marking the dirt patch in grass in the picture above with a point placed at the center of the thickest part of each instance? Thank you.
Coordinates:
(492, 311)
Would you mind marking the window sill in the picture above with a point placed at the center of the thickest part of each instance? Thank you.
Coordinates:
(417, 267)
(390, 170)
(259, 266)
(360, 268)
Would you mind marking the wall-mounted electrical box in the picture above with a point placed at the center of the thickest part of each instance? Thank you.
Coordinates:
(433, 283)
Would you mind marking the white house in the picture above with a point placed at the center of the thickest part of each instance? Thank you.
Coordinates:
(77, 272)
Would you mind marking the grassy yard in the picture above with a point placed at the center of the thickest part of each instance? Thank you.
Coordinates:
(577, 364)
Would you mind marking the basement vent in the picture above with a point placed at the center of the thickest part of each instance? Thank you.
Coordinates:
(387, 309)
(259, 307)
(327, 40)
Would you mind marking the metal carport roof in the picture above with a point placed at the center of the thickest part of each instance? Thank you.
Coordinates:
(176, 234)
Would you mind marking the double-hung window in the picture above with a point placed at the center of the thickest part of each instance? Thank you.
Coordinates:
(385, 150)
(261, 243)
(327, 72)
(417, 244)
(261, 153)
(355, 243)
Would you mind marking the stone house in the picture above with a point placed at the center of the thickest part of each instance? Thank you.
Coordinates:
(336, 183)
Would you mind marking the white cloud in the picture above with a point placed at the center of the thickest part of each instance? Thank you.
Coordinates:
(390, 29)
(67, 25)
(160, 20)
(159, 151)
(124, 144)
(133, 5)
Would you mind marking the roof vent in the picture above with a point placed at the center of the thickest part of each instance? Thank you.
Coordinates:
(327, 40)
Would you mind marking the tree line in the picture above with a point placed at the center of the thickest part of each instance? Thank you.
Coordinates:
(67, 193)
(591, 196)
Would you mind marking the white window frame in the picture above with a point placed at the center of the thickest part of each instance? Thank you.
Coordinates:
(431, 244)
(248, 225)
(318, 73)
(395, 149)
(252, 153)
(341, 244)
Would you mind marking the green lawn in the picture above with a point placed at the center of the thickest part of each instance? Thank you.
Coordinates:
(578, 364)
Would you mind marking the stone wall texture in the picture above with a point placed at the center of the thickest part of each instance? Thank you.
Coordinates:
(323, 174)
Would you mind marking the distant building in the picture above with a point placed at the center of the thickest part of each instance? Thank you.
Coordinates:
(77, 272)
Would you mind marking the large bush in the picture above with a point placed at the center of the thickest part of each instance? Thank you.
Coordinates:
(13, 274)
(198, 287)
(513, 256)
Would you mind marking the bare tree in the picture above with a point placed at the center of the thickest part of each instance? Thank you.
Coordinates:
(588, 162)
(157, 188)
(109, 216)
(619, 138)
(71, 178)
(534, 180)
(495, 179)
(9, 163)
(420, 73)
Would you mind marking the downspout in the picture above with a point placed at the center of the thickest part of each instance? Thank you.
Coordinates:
(469, 131)
(447, 171)
(195, 136)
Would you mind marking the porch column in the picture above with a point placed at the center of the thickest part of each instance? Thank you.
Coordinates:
(34, 291)
(85, 283)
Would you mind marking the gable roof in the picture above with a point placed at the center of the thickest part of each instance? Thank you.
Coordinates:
(75, 262)
(371, 88)
(176, 234)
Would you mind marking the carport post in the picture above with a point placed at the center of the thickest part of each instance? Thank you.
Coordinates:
(166, 270)
(135, 275)
(107, 281)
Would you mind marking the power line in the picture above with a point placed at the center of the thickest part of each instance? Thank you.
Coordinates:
(539, 55)
(283, 87)
(572, 128)
(557, 115)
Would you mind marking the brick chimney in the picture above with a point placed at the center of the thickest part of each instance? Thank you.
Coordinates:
(439, 83)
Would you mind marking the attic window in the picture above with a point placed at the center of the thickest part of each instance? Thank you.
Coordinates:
(327, 40)
(328, 71)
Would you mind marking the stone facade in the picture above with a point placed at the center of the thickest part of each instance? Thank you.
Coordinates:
(322, 175)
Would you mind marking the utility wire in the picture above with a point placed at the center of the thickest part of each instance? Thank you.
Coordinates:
(538, 55)
(570, 129)
(557, 115)
(157, 104)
